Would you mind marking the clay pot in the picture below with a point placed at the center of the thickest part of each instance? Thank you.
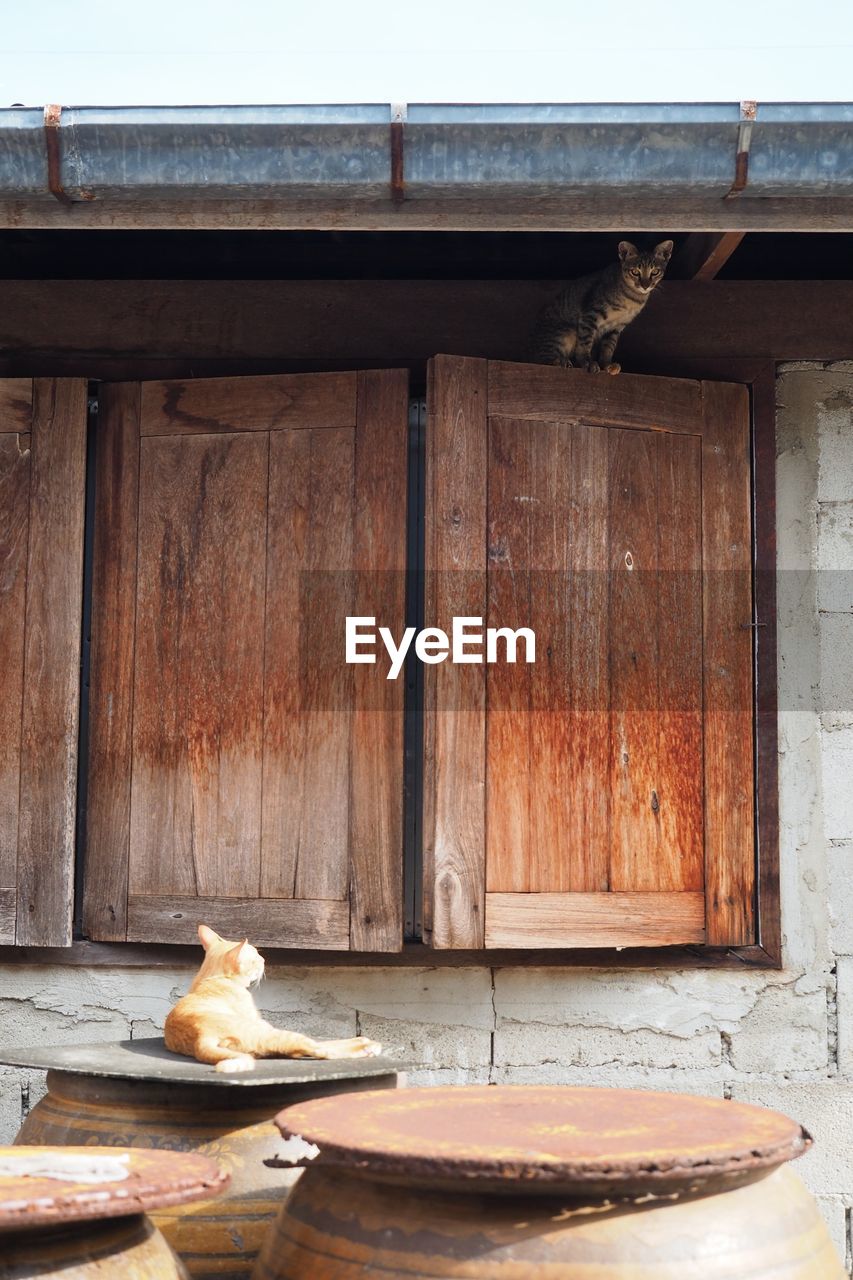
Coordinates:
(180, 1105)
(132, 1248)
(73, 1218)
(563, 1184)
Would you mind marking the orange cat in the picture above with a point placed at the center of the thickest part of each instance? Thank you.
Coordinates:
(217, 1022)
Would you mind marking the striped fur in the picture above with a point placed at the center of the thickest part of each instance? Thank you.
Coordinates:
(582, 326)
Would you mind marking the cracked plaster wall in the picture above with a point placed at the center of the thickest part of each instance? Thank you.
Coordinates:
(783, 1039)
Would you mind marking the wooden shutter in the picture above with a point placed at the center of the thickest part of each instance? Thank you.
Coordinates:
(603, 796)
(42, 496)
(242, 774)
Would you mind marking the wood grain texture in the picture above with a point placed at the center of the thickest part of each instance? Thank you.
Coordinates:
(679, 712)
(588, 818)
(414, 955)
(209, 405)
(594, 919)
(454, 695)
(88, 326)
(52, 664)
(377, 748)
(319, 925)
(656, 661)
(728, 691)
(703, 255)
(112, 654)
(15, 455)
(507, 212)
(541, 392)
(769, 924)
(16, 405)
(511, 853)
(198, 667)
(634, 781)
(632, 501)
(7, 916)
(308, 688)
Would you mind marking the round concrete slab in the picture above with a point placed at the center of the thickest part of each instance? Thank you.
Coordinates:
(149, 1059)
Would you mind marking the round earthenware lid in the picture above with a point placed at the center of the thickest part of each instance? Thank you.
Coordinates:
(149, 1059)
(536, 1138)
(42, 1185)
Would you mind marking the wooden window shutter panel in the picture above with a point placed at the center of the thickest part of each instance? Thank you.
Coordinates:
(604, 796)
(42, 499)
(455, 696)
(240, 772)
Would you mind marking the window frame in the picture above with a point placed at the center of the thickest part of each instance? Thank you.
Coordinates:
(759, 376)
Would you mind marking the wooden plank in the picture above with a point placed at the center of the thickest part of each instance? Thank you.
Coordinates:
(308, 688)
(588, 817)
(728, 691)
(766, 693)
(679, 713)
(287, 547)
(549, 616)
(15, 457)
(702, 255)
(551, 394)
(594, 919)
(207, 405)
(414, 955)
(52, 664)
(86, 327)
(376, 788)
(509, 859)
(16, 405)
(455, 715)
(283, 922)
(636, 854)
(613, 211)
(7, 916)
(112, 652)
(198, 680)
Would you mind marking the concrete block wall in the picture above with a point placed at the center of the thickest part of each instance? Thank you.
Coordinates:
(781, 1039)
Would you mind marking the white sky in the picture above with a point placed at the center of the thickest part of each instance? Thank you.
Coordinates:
(265, 51)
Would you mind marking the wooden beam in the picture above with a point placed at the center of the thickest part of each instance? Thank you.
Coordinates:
(149, 955)
(177, 328)
(702, 255)
(598, 212)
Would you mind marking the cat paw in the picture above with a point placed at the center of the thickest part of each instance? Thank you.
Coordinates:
(234, 1066)
(613, 369)
(357, 1047)
(593, 367)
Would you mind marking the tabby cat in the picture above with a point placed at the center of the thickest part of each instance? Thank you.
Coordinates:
(582, 326)
(217, 1022)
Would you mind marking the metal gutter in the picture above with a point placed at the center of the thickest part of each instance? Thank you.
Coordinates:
(492, 157)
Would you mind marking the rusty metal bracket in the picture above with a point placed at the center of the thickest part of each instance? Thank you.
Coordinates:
(398, 181)
(52, 118)
(748, 113)
(52, 122)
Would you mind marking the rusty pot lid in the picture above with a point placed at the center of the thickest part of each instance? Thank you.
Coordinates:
(42, 1185)
(592, 1141)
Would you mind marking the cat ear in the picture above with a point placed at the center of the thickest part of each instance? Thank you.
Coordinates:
(207, 937)
(663, 251)
(627, 250)
(233, 955)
